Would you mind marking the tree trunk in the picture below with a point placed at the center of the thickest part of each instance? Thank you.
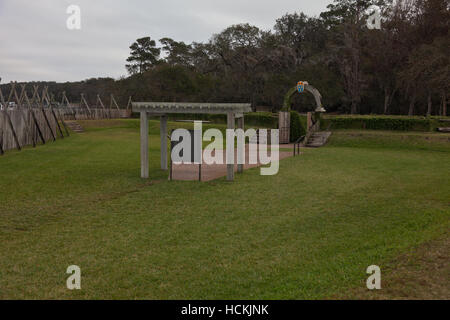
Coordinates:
(411, 105)
(444, 104)
(354, 107)
(429, 105)
(386, 101)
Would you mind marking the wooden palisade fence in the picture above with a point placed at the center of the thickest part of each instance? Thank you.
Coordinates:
(38, 119)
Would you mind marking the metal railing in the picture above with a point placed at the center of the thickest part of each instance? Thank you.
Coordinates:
(303, 140)
(297, 145)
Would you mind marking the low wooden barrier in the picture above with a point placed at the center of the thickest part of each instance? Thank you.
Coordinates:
(21, 127)
(93, 114)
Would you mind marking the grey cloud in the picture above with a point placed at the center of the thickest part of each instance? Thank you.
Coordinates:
(36, 45)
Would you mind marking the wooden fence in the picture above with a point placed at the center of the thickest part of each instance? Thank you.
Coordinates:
(21, 127)
(284, 125)
(30, 121)
(78, 113)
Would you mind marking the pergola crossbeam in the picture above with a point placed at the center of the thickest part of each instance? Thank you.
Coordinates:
(199, 108)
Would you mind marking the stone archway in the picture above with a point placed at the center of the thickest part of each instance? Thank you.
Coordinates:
(284, 114)
(287, 103)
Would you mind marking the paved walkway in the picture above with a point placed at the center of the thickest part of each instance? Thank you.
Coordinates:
(190, 172)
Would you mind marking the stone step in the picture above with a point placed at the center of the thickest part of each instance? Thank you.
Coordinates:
(75, 126)
(318, 139)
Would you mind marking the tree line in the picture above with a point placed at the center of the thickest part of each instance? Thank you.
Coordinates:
(400, 68)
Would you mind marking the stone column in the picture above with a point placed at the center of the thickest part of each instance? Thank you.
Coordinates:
(308, 121)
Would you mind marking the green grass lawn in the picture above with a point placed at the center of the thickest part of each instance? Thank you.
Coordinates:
(308, 232)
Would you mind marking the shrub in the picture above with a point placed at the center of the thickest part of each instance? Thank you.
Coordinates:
(298, 126)
(262, 119)
(379, 123)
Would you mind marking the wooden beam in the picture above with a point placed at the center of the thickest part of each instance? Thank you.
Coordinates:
(230, 167)
(129, 103)
(191, 107)
(99, 100)
(28, 129)
(240, 125)
(49, 102)
(1, 143)
(2, 98)
(8, 119)
(1, 131)
(67, 104)
(35, 100)
(61, 114)
(13, 88)
(22, 94)
(83, 100)
(45, 117)
(163, 133)
(144, 146)
(33, 116)
(113, 100)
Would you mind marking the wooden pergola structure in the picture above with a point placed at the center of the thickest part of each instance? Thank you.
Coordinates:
(162, 109)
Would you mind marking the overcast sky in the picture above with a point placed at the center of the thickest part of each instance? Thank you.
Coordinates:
(35, 43)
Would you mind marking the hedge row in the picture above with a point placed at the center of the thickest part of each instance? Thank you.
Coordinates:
(262, 119)
(298, 122)
(379, 123)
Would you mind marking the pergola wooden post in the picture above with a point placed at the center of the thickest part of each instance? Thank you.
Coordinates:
(230, 125)
(240, 125)
(163, 133)
(162, 109)
(144, 145)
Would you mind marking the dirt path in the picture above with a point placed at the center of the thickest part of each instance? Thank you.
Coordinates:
(215, 171)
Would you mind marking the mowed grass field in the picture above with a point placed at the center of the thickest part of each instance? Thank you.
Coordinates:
(309, 232)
